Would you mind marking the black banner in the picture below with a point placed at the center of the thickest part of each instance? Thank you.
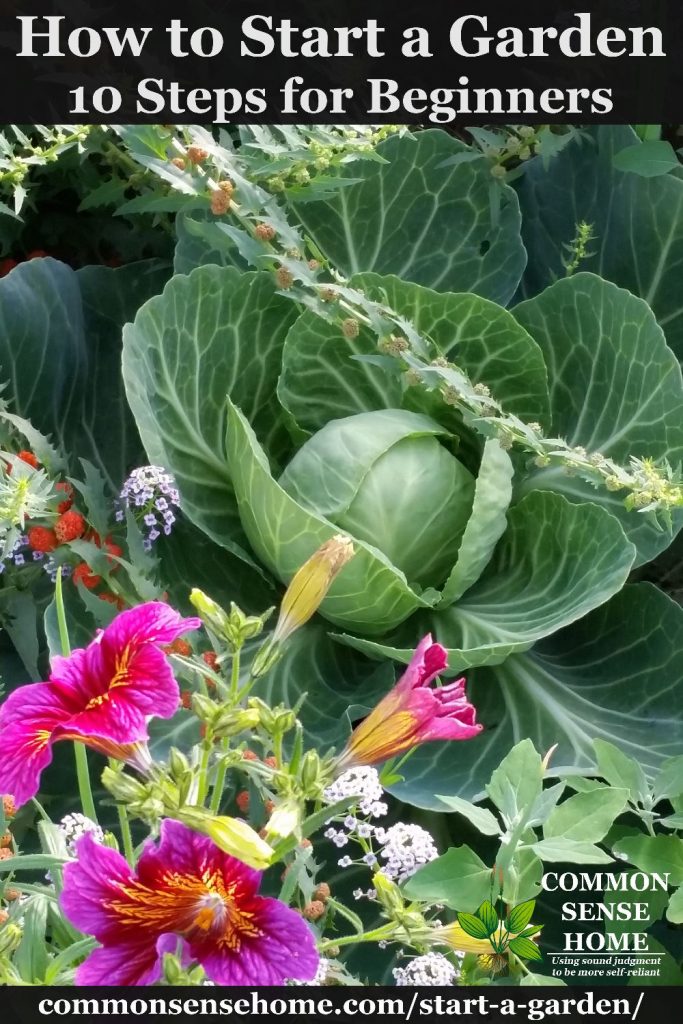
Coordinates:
(360, 61)
(495, 1004)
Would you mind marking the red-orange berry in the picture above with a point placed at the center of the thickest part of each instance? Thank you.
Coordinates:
(186, 699)
(28, 457)
(42, 538)
(242, 801)
(269, 806)
(6, 840)
(83, 574)
(270, 762)
(65, 487)
(322, 892)
(69, 526)
(249, 755)
(5, 854)
(179, 647)
(114, 551)
(305, 844)
(8, 806)
(11, 894)
(4, 916)
(314, 910)
(210, 658)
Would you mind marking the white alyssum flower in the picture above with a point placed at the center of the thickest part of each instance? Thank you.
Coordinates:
(320, 976)
(363, 783)
(76, 825)
(406, 848)
(430, 969)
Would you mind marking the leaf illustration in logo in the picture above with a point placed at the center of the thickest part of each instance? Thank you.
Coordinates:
(473, 926)
(525, 948)
(488, 916)
(519, 917)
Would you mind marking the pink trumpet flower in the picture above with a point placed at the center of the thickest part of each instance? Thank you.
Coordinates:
(102, 696)
(185, 896)
(413, 712)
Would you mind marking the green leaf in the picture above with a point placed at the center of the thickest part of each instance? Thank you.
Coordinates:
(615, 388)
(647, 159)
(637, 223)
(476, 334)
(31, 862)
(459, 879)
(471, 925)
(487, 522)
(525, 948)
(654, 854)
(570, 851)
(556, 562)
(520, 916)
(428, 223)
(669, 782)
(620, 770)
(613, 674)
(73, 393)
(201, 240)
(522, 880)
(331, 676)
(586, 816)
(214, 333)
(517, 781)
(488, 915)
(480, 817)
(674, 911)
(321, 379)
(369, 593)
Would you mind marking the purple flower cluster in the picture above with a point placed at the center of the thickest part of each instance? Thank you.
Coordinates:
(151, 493)
(17, 556)
(51, 567)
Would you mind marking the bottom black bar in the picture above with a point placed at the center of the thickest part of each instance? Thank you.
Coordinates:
(495, 1003)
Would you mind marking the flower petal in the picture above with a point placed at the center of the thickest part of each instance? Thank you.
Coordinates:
(28, 719)
(185, 852)
(126, 964)
(151, 623)
(98, 877)
(284, 948)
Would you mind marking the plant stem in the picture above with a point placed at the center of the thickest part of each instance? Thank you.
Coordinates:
(124, 825)
(235, 677)
(80, 753)
(385, 931)
(203, 784)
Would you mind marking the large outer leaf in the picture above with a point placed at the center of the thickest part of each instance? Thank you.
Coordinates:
(486, 525)
(60, 351)
(615, 674)
(322, 381)
(615, 388)
(421, 220)
(637, 223)
(369, 594)
(213, 333)
(556, 562)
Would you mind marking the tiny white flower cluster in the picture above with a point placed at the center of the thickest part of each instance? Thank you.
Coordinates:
(76, 825)
(430, 969)
(406, 848)
(362, 783)
(320, 976)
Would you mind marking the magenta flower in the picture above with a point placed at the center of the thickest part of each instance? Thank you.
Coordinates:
(102, 695)
(186, 895)
(413, 712)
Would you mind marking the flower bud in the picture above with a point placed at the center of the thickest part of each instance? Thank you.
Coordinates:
(285, 819)
(388, 894)
(178, 764)
(122, 787)
(10, 937)
(172, 969)
(310, 771)
(230, 722)
(265, 714)
(205, 709)
(230, 835)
